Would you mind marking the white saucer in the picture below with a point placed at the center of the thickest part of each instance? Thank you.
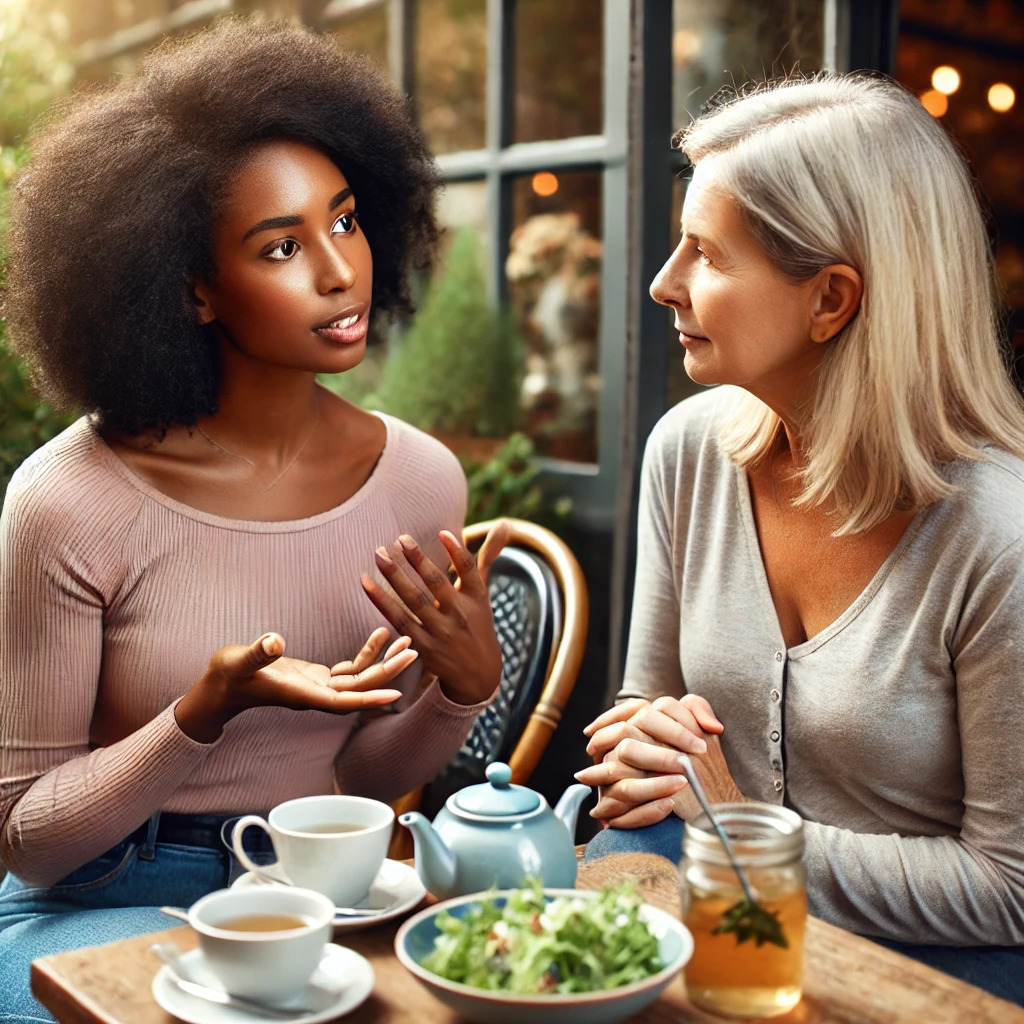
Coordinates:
(342, 981)
(396, 889)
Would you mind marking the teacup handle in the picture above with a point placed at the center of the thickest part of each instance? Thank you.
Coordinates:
(265, 872)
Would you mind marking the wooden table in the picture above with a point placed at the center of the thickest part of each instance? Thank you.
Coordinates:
(847, 979)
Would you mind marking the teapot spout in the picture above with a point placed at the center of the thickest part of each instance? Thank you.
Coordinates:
(568, 807)
(435, 862)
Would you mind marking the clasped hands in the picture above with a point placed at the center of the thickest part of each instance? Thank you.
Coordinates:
(447, 625)
(636, 746)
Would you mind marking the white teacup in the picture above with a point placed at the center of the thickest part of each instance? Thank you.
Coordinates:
(263, 942)
(333, 844)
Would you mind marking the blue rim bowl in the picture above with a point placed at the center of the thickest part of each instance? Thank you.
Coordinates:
(415, 940)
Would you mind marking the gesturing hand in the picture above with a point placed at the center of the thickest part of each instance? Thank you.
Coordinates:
(240, 677)
(451, 625)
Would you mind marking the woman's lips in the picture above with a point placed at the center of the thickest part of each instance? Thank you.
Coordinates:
(345, 335)
(690, 339)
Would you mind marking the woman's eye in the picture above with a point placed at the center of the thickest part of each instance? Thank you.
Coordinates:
(704, 258)
(345, 224)
(283, 250)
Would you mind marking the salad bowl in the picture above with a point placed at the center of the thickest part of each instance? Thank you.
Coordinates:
(415, 941)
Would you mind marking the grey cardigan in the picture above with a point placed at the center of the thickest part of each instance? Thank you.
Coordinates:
(897, 732)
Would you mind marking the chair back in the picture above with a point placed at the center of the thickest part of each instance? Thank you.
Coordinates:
(539, 602)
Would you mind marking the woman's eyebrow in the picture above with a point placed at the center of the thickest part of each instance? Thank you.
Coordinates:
(292, 220)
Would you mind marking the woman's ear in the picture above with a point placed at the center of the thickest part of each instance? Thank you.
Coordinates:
(199, 297)
(835, 300)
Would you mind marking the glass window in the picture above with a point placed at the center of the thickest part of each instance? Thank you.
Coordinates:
(963, 61)
(717, 44)
(553, 271)
(558, 69)
(463, 204)
(365, 32)
(451, 73)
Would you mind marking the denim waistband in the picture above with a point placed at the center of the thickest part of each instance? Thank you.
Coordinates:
(209, 831)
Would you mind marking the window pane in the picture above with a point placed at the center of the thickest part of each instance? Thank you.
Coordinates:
(558, 70)
(366, 32)
(982, 46)
(722, 42)
(554, 275)
(463, 204)
(451, 73)
(715, 44)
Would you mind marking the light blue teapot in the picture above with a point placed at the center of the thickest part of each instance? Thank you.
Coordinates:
(496, 834)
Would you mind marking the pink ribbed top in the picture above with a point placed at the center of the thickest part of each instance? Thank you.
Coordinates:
(113, 597)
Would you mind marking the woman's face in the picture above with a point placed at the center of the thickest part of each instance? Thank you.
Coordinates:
(294, 273)
(740, 319)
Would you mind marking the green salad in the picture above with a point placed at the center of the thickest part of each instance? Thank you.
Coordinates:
(536, 946)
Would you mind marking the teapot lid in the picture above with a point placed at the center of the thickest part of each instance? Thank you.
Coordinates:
(496, 798)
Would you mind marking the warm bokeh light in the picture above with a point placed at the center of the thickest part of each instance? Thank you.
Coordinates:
(1001, 97)
(934, 102)
(545, 183)
(946, 80)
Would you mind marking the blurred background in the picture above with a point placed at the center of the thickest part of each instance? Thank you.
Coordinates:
(536, 353)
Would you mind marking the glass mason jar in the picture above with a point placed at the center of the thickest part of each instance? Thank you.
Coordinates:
(731, 973)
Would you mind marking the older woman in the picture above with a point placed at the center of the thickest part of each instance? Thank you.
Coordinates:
(830, 547)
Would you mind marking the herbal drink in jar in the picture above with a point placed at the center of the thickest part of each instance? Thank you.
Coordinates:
(748, 957)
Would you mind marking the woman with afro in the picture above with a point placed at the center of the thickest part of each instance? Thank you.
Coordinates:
(189, 249)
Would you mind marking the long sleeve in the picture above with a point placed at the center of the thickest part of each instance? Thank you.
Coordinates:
(967, 888)
(113, 597)
(62, 802)
(896, 731)
(652, 661)
(376, 762)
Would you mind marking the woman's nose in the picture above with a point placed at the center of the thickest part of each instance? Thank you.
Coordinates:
(669, 287)
(336, 272)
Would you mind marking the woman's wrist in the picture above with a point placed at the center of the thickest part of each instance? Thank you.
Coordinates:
(201, 713)
(466, 694)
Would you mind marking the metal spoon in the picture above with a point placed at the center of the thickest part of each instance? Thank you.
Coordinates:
(171, 956)
(746, 919)
(698, 792)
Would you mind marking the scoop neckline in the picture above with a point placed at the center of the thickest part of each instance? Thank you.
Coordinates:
(371, 484)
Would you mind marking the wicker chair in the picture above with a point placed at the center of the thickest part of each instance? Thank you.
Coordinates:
(539, 600)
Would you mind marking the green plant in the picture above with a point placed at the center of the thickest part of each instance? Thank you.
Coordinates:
(25, 422)
(508, 485)
(32, 73)
(459, 367)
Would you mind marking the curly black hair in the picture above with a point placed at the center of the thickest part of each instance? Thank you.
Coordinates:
(114, 212)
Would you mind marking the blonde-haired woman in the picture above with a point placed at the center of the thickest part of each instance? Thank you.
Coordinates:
(831, 547)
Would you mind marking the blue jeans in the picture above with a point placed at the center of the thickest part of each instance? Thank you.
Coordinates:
(113, 897)
(996, 969)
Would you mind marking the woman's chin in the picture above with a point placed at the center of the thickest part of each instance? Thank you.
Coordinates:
(701, 371)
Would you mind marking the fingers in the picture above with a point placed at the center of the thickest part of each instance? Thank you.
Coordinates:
(623, 796)
(630, 758)
(646, 814)
(345, 701)
(702, 712)
(239, 662)
(369, 653)
(374, 677)
(670, 723)
(465, 565)
(618, 713)
(436, 581)
(397, 613)
(610, 736)
(496, 539)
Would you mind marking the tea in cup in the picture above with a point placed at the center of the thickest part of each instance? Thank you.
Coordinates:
(333, 844)
(263, 942)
